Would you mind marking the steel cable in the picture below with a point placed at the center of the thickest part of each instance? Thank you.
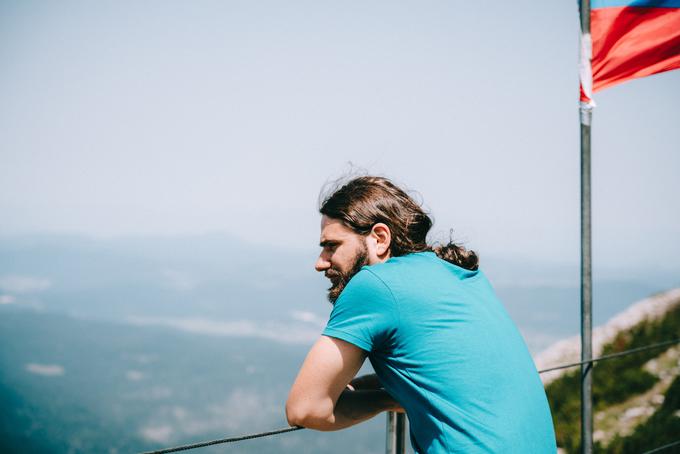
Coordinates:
(662, 448)
(225, 440)
(613, 355)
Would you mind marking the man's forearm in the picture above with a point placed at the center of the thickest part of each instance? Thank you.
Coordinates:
(354, 407)
(370, 381)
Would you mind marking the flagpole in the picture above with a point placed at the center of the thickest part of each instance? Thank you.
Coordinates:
(586, 251)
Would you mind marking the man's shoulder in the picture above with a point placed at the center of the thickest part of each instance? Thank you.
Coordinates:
(366, 285)
(369, 277)
(379, 279)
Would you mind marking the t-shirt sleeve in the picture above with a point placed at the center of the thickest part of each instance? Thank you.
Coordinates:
(365, 314)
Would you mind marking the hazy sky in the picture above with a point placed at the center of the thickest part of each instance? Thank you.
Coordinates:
(166, 117)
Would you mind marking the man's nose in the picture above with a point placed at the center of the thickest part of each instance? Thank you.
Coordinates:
(322, 264)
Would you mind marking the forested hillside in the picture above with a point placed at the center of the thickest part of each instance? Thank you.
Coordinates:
(636, 397)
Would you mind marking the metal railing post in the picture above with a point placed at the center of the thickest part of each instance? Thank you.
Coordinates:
(396, 433)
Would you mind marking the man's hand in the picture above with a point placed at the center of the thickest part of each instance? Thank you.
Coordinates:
(371, 382)
(320, 399)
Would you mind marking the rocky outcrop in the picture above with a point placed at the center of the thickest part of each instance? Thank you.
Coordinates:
(569, 350)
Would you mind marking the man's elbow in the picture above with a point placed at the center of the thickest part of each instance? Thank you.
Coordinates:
(309, 416)
(294, 415)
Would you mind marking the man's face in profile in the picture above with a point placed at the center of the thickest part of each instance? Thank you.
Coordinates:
(342, 256)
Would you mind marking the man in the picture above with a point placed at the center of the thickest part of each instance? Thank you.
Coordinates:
(443, 348)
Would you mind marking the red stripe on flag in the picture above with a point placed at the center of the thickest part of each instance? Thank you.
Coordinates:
(632, 42)
(583, 96)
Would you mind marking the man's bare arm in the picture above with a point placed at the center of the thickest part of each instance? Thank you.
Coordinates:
(320, 399)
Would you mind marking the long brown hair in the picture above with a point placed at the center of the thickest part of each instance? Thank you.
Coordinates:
(364, 201)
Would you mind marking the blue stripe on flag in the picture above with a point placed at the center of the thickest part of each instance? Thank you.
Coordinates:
(635, 3)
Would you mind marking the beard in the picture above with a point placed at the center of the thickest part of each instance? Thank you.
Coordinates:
(339, 279)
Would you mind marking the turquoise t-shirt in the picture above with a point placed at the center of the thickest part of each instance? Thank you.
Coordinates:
(443, 346)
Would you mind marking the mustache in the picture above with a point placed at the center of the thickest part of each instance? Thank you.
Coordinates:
(331, 274)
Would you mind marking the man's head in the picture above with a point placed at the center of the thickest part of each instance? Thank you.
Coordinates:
(364, 222)
(344, 252)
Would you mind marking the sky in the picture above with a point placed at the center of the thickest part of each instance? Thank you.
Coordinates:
(184, 118)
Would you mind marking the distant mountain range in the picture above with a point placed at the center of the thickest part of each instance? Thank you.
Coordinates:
(219, 284)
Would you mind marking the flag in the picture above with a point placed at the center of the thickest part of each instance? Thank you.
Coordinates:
(628, 39)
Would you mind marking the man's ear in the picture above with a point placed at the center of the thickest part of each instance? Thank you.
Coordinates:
(382, 238)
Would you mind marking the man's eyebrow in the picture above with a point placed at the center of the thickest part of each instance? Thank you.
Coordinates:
(327, 243)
